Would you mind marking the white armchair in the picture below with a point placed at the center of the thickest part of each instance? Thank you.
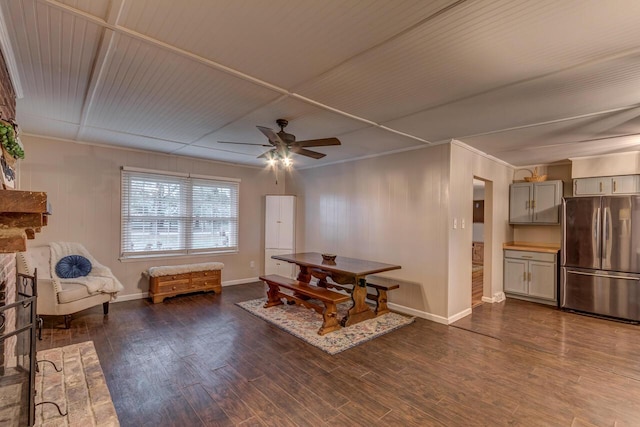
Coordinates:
(57, 297)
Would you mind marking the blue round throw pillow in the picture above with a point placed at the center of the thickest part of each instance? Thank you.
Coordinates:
(73, 266)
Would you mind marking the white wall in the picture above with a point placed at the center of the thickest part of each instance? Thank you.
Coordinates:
(391, 209)
(607, 165)
(467, 163)
(399, 209)
(83, 185)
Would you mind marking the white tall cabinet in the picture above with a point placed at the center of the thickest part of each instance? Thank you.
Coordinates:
(279, 237)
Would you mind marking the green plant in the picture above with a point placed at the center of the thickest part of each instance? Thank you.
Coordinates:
(9, 140)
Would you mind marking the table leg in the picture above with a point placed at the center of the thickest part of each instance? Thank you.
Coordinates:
(359, 311)
(304, 275)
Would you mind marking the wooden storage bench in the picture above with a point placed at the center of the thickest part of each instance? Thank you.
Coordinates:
(172, 280)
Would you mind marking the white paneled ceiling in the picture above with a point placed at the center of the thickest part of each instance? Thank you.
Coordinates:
(525, 81)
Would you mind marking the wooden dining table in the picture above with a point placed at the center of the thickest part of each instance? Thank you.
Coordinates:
(342, 271)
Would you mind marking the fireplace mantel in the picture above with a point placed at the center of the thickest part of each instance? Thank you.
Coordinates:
(22, 215)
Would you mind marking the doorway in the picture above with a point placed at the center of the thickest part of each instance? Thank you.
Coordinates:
(478, 241)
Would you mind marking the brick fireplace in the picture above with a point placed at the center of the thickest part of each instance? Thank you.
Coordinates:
(7, 261)
(7, 296)
(18, 221)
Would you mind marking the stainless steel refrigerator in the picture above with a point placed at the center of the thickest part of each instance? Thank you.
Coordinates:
(601, 256)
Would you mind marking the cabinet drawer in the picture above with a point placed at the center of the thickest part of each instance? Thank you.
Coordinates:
(173, 278)
(176, 286)
(527, 255)
(203, 282)
(205, 275)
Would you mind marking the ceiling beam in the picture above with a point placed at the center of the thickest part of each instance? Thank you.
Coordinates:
(113, 26)
(100, 64)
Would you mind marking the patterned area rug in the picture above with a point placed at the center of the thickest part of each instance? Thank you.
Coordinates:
(79, 389)
(304, 324)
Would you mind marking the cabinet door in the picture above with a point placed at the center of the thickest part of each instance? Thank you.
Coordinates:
(546, 202)
(275, 266)
(280, 222)
(271, 222)
(627, 184)
(591, 186)
(542, 283)
(515, 276)
(287, 222)
(520, 203)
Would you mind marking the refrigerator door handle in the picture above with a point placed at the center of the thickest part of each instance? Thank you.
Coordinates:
(582, 273)
(606, 238)
(596, 235)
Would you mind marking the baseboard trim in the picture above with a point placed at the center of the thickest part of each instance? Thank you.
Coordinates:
(143, 295)
(429, 316)
(456, 317)
(497, 297)
(131, 297)
(240, 281)
(418, 313)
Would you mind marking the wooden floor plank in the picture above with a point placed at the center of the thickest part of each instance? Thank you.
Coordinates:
(201, 360)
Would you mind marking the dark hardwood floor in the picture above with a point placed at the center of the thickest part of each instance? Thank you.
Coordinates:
(200, 360)
(477, 278)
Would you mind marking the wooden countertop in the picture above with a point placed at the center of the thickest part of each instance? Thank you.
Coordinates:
(533, 247)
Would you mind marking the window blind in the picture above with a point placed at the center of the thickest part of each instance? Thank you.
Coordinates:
(177, 215)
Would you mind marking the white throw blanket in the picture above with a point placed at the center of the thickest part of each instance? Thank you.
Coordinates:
(99, 279)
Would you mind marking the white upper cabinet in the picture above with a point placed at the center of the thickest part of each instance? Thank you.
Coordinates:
(606, 185)
(280, 222)
(535, 202)
(626, 184)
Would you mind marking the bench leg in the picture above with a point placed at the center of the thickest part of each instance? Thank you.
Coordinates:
(273, 296)
(105, 308)
(330, 316)
(381, 303)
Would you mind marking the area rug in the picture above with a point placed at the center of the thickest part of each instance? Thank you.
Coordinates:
(79, 389)
(304, 324)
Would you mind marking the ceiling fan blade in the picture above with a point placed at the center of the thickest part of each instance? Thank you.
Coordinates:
(308, 153)
(318, 142)
(273, 137)
(244, 143)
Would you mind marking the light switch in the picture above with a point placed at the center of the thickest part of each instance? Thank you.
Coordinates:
(462, 223)
(455, 223)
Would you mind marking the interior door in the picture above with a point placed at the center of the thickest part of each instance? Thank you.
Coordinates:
(581, 232)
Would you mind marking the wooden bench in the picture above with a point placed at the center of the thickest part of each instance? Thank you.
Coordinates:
(328, 298)
(380, 297)
(169, 281)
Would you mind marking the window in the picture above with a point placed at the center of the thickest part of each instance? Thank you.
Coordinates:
(177, 214)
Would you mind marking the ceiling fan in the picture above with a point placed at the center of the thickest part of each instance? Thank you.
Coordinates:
(283, 143)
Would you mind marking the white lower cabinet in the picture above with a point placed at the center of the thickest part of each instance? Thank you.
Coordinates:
(531, 275)
(275, 266)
